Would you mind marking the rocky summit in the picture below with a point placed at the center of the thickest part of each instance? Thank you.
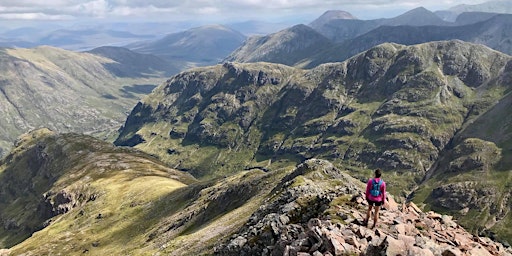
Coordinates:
(277, 228)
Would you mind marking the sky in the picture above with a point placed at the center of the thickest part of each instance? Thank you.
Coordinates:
(207, 11)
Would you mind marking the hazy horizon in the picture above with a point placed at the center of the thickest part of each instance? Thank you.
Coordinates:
(23, 13)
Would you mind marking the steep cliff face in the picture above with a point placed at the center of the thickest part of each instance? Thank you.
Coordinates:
(372, 109)
(395, 107)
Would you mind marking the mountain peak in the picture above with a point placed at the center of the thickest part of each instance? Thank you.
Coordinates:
(296, 43)
(213, 27)
(416, 17)
(337, 14)
(330, 15)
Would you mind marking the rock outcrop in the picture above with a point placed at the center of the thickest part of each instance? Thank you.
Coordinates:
(330, 223)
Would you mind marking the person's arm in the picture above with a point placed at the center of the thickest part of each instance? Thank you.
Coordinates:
(368, 187)
(384, 192)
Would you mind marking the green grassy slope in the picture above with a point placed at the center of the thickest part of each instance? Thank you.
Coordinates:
(79, 194)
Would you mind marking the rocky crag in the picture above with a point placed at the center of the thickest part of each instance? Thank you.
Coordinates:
(433, 115)
(307, 219)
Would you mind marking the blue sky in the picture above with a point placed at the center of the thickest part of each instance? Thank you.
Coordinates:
(207, 10)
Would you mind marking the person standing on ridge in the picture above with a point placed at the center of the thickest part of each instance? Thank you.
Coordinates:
(375, 195)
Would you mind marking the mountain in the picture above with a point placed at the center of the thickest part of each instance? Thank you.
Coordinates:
(415, 17)
(392, 107)
(339, 30)
(258, 27)
(131, 64)
(80, 193)
(73, 194)
(286, 46)
(69, 91)
(12, 42)
(194, 47)
(331, 15)
(466, 18)
(494, 32)
(497, 6)
(86, 39)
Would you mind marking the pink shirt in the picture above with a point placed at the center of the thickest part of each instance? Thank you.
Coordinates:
(382, 195)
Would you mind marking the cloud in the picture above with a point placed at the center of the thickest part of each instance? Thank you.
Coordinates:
(33, 16)
(195, 9)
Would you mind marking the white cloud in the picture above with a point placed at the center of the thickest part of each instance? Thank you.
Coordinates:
(33, 16)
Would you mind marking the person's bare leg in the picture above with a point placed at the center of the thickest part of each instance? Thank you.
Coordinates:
(376, 216)
(368, 213)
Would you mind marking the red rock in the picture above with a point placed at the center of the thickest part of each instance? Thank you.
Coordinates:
(395, 247)
(480, 251)
(413, 206)
(391, 204)
(408, 240)
(411, 230)
(434, 215)
(400, 228)
(452, 252)
(420, 251)
(352, 240)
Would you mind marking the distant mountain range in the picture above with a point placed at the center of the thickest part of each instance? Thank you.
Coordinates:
(77, 40)
(495, 6)
(340, 29)
(199, 46)
(494, 31)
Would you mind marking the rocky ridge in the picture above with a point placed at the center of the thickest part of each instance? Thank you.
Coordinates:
(305, 219)
(313, 208)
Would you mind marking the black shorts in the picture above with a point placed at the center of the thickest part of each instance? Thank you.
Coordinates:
(370, 202)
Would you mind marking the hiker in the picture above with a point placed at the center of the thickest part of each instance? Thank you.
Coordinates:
(375, 195)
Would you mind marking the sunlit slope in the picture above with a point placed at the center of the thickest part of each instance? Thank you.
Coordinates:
(80, 194)
(66, 91)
